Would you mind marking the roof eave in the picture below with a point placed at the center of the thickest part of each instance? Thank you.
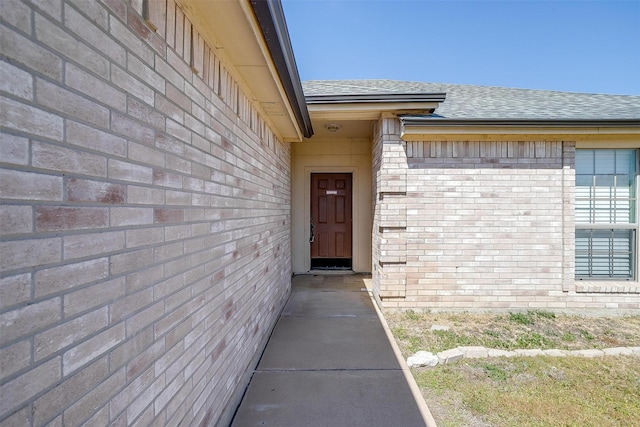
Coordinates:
(418, 128)
(372, 106)
(270, 17)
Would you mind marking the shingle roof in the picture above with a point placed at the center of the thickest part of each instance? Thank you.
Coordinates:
(487, 102)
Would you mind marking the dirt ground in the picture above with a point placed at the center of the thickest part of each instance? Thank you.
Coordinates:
(533, 329)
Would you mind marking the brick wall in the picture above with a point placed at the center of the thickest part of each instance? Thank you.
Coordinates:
(482, 225)
(390, 211)
(145, 219)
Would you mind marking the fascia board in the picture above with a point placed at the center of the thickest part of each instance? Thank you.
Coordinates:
(415, 129)
(270, 19)
(367, 111)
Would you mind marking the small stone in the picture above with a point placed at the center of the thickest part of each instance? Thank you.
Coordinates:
(474, 352)
(439, 328)
(450, 356)
(422, 358)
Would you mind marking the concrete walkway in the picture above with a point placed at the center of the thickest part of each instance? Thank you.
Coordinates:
(329, 363)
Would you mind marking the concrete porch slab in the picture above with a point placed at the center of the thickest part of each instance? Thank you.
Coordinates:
(330, 362)
(322, 283)
(366, 398)
(329, 304)
(300, 343)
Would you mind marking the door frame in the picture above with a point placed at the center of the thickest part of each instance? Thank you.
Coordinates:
(355, 208)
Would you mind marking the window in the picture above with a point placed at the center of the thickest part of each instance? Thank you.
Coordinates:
(606, 214)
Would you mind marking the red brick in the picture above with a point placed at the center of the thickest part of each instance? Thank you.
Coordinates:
(79, 190)
(53, 218)
(167, 215)
(170, 144)
(145, 33)
(118, 7)
(167, 179)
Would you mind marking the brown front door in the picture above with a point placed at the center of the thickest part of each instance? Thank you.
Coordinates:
(331, 220)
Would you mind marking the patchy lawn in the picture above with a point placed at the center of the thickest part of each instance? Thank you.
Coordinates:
(526, 391)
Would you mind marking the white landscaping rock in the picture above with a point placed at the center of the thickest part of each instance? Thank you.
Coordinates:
(439, 328)
(450, 356)
(422, 358)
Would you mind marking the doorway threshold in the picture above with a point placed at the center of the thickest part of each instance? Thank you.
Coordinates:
(332, 271)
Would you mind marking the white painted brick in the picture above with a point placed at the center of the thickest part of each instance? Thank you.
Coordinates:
(30, 120)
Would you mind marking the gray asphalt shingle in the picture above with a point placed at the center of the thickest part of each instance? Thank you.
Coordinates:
(487, 102)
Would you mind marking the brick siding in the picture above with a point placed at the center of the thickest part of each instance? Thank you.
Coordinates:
(145, 219)
(477, 225)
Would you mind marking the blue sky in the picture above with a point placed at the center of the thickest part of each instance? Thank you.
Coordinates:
(575, 46)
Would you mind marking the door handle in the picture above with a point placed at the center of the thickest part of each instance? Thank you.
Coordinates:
(312, 237)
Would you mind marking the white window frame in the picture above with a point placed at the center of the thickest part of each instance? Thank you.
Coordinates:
(634, 226)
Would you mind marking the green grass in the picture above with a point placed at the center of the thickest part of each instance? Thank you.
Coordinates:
(526, 391)
(539, 391)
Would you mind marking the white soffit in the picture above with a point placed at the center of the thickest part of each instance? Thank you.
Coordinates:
(230, 28)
